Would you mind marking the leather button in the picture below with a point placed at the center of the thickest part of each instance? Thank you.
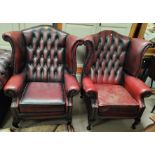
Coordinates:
(112, 45)
(46, 50)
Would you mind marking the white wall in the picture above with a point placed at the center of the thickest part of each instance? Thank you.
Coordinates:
(5, 28)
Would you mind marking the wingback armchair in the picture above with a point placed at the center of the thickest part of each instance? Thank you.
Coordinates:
(43, 82)
(109, 85)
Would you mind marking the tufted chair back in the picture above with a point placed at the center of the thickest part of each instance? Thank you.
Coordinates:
(45, 54)
(107, 59)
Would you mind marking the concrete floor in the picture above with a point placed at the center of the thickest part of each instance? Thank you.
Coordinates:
(119, 125)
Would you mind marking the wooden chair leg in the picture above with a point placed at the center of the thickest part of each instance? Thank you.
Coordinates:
(15, 124)
(89, 126)
(13, 129)
(70, 128)
(138, 118)
(89, 122)
(136, 122)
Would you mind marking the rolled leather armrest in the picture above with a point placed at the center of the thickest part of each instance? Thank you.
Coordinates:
(71, 85)
(136, 87)
(89, 87)
(15, 85)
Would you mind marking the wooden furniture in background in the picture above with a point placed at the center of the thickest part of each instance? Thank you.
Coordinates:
(150, 52)
(59, 26)
(133, 30)
(137, 30)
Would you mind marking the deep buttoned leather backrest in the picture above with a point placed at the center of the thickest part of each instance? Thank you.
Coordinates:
(45, 50)
(107, 60)
(5, 67)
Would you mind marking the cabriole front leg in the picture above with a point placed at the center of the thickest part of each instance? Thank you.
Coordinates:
(138, 118)
(69, 111)
(16, 119)
(92, 114)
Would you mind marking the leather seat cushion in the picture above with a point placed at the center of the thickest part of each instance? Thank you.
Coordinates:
(115, 99)
(43, 97)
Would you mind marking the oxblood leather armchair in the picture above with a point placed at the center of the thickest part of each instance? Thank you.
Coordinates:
(44, 82)
(109, 85)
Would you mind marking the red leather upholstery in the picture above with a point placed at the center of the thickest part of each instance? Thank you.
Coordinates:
(109, 55)
(112, 98)
(114, 95)
(135, 54)
(45, 48)
(109, 60)
(71, 52)
(18, 51)
(89, 87)
(71, 85)
(136, 87)
(44, 95)
(15, 85)
(39, 88)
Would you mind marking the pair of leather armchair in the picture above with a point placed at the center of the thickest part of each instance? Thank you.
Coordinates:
(44, 75)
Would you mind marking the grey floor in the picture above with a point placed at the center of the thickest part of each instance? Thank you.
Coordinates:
(120, 125)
